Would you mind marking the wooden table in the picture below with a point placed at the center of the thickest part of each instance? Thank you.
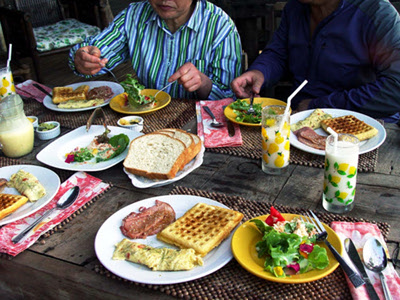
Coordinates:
(63, 267)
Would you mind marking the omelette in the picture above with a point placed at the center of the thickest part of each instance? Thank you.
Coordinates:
(27, 185)
(312, 121)
(157, 259)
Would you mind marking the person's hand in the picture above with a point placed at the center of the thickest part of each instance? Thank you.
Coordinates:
(192, 80)
(303, 105)
(87, 60)
(248, 83)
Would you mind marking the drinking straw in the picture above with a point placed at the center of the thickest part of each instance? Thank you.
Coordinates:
(335, 138)
(9, 55)
(289, 101)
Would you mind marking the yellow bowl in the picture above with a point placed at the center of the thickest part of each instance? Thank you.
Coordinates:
(244, 242)
(118, 103)
(264, 102)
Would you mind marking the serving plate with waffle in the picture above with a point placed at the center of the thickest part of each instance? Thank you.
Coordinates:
(110, 234)
(369, 138)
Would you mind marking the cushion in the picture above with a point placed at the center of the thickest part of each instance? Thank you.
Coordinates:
(62, 34)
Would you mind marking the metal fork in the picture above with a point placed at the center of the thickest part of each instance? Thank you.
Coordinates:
(354, 277)
(251, 110)
(104, 68)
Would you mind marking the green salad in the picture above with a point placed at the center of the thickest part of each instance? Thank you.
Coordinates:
(289, 246)
(133, 90)
(240, 108)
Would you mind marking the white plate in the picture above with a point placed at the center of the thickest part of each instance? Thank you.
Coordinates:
(143, 182)
(54, 154)
(365, 146)
(47, 178)
(109, 234)
(115, 87)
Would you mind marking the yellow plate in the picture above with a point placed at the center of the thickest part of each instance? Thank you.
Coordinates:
(118, 103)
(264, 102)
(244, 250)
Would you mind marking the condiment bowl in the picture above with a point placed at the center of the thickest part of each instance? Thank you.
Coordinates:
(34, 121)
(134, 123)
(50, 133)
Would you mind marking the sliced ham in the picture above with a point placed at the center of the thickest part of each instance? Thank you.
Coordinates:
(309, 137)
(148, 221)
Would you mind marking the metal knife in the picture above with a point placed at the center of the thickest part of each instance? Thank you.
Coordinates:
(355, 258)
(231, 128)
(42, 89)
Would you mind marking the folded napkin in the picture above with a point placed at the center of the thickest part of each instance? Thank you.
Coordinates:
(359, 233)
(90, 187)
(27, 89)
(216, 137)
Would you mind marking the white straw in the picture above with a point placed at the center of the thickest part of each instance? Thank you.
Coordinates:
(335, 138)
(289, 101)
(9, 55)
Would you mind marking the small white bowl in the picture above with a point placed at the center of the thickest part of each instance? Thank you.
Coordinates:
(34, 121)
(48, 134)
(134, 123)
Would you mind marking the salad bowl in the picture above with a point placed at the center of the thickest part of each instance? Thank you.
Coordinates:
(244, 243)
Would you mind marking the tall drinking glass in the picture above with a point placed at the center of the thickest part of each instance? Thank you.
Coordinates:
(340, 173)
(275, 132)
(7, 86)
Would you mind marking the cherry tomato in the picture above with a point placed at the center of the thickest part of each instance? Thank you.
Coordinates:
(274, 217)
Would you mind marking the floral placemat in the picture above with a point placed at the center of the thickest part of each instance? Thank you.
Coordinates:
(234, 282)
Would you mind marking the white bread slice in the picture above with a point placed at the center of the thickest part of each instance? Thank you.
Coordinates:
(195, 145)
(155, 156)
(186, 138)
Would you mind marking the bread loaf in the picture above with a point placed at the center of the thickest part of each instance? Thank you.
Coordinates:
(155, 156)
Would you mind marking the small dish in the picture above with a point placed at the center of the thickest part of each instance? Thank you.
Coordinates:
(34, 121)
(50, 133)
(131, 122)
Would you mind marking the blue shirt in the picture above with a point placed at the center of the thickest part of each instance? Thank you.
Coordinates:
(351, 62)
(209, 40)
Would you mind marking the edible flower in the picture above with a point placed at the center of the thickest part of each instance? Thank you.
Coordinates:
(278, 272)
(70, 158)
(295, 266)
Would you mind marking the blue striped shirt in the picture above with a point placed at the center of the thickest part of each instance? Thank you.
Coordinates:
(209, 40)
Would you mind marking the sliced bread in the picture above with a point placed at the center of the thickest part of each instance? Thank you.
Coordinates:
(191, 140)
(155, 156)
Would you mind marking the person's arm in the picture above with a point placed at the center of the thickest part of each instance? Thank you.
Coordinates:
(112, 43)
(379, 98)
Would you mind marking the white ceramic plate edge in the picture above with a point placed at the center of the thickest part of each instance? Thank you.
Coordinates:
(142, 182)
(109, 234)
(49, 155)
(365, 146)
(47, 178)
(116, 88)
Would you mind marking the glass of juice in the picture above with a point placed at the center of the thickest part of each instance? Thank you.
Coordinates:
(7, 86)
(341, 162)
(275, 132)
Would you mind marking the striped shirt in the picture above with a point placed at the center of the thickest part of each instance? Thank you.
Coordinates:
(209, 40)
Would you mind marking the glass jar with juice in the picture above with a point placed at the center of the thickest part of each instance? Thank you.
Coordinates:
(16, 131)
(275, 132)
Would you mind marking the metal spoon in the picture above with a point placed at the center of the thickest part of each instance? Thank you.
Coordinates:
(65, 201)
(214, 122)
(375, 260)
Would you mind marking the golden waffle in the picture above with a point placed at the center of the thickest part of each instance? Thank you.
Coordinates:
(350, 125)
(201, 228)
(10, 203)
(62, 94)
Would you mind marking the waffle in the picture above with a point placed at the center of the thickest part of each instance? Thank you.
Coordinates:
(10, 203)
(201, 228)
(62, 94)
(350, 125)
